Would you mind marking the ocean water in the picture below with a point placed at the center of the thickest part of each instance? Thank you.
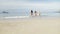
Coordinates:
(25, 14)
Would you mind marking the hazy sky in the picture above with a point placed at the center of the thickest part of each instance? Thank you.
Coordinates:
(30, 4)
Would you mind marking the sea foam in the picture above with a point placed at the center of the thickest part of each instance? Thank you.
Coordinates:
(17, 17)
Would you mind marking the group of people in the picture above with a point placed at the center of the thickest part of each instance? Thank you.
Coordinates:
(35, 13)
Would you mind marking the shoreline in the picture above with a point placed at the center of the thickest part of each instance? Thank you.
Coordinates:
(28, 17)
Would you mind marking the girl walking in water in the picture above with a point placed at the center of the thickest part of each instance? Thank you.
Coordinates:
(35, 13)
(31, 13)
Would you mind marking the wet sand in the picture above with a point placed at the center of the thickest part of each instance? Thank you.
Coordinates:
(30, 26)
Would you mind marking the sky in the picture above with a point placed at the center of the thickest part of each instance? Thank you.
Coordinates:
(43, 5)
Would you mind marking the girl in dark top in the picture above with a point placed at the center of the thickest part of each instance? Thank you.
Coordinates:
(31, 12)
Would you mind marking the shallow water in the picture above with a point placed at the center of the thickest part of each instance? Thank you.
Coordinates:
(25, 14)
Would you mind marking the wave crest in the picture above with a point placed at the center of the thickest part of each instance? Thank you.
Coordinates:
(18, 17)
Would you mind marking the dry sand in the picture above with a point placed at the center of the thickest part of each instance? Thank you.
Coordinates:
(30, 26)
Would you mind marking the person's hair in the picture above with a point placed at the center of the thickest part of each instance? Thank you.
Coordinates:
(31, 11)
(35, 11)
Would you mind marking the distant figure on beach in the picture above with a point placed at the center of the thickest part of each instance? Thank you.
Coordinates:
(35, 13)
(31, 12)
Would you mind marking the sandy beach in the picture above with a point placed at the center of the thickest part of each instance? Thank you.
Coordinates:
(30, 26)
